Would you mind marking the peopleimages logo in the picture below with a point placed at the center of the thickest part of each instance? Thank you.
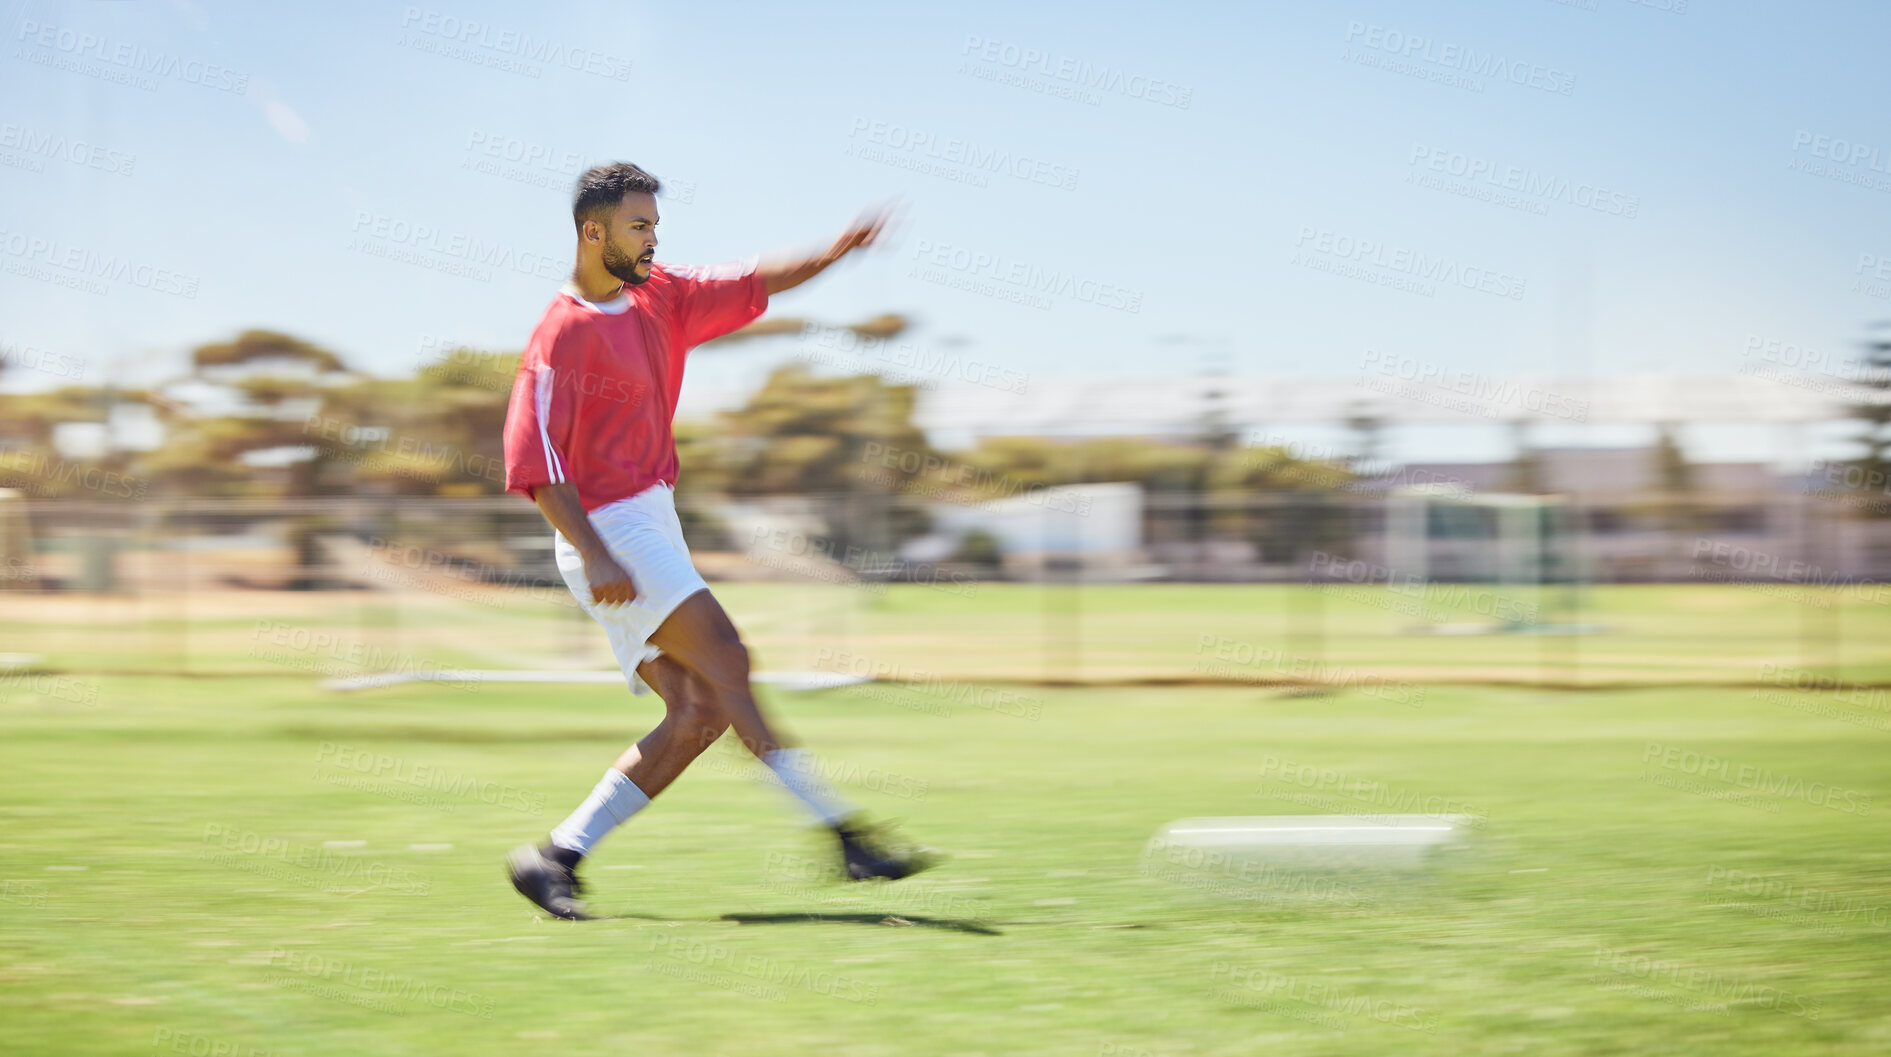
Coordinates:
(1245, 981)
(1791, 356)
(37, 144)
(452, 252)
(441, 456)
(42, 257)
(1487, 391)
(1334, 572)
(1723, 991)
(1760, 564)
(1798, 896)
(514, 44)
(45, 475)
(1417, 264)
(915, 357)
(430, 777)
(32, 358)
(949, 690)
(1529, 189)
(1841, 160)
(130, 60)
(943, 260)
(1842, 151)
(1226, 658)
(1392, 800)
(1709, 767)
(973, 156)
(1458, 58)
(346, 979)
(1079, 74)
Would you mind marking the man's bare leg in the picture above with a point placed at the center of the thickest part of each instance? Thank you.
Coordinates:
(703, 678)
(547, 874)
(700, 637)
(691, 723)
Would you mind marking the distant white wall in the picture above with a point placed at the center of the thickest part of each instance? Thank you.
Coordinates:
(1075, 519)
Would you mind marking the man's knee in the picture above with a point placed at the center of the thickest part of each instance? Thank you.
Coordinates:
(668, 677)
(700, 720)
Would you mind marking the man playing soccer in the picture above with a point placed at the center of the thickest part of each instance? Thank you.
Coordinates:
(588, 439)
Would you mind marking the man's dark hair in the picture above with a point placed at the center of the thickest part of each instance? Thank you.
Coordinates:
(602, 187)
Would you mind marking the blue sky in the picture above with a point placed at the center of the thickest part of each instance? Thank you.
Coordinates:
(278, 168)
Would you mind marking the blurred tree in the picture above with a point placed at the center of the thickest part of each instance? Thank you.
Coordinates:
(1368, 438)
(1674, 476)
(978, 547)
(849, 440)
(31, 460)
(32, 416)
(305, 426)
(884, 326)
(441, 432)
(804, 435)
(1526, 467)
(267, 347)
(1006, 465)
(270, 444)
(1677, 508)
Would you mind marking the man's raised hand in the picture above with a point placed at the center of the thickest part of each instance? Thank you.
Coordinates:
(786, 275)
(863, 231)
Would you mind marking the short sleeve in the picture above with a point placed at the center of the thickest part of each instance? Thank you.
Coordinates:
(712, 301)
(539, 416)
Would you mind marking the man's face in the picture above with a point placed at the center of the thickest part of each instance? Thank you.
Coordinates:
(630, 239)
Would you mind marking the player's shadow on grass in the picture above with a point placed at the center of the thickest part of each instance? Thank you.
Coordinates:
(882, 920)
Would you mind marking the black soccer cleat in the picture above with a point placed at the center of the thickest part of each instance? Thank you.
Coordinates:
(864, 856)
(550, 885)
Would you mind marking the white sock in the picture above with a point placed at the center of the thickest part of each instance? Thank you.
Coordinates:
(610, 805)
(799, 772)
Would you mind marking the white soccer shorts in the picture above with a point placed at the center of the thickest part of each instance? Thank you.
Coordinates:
(646, 538)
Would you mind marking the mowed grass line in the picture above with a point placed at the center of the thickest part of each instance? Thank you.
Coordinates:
(1642, 634)
(1041, 935)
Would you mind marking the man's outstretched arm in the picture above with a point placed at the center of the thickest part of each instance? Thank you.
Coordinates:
(786, 275)
(560, 504)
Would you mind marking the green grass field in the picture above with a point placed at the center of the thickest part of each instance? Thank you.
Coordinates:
(241, 862)
(1659, 635)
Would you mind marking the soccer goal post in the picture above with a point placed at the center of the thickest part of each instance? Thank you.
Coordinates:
(1476, 562)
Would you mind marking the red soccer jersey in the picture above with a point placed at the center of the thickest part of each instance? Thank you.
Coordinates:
(596, 389)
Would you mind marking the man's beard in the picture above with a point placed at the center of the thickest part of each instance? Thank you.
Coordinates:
(621, 264)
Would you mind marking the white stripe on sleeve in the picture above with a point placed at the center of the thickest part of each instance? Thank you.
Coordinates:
(542, 396)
